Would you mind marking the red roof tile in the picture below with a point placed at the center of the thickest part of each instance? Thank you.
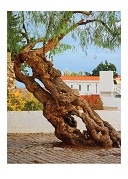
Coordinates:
(80, 77)
(119, 76)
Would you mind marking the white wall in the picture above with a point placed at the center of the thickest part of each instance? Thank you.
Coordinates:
(35, 122)
(113, 117)
(27, 122)
(92, 86)
(106, 81)
(104, 87)
(106, 94)
(111, 102)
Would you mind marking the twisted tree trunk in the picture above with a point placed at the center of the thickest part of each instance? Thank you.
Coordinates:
(60, 104)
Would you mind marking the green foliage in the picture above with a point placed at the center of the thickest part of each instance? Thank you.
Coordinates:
(96, 72)
(59, 49)
(14, 39)
(87, 74)
(115, 82)
(32, 106)
(105, 67)
(24, 69)
(68, 73)
(103, 29)
(107, 31)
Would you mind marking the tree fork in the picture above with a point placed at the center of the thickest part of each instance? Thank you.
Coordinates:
(60, 104)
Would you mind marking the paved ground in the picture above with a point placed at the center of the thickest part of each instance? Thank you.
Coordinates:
(46, 148)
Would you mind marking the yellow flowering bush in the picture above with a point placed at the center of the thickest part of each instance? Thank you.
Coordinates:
(18, 101)
(15, 101)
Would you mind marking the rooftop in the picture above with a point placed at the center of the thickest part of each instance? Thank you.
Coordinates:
(80, 78)
(91, 78)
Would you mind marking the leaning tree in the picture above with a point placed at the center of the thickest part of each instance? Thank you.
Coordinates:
(43, 33)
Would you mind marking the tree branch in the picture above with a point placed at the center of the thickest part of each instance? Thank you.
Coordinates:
(29, 46)
(84, 12)
(46, 35)
(54, 42)
(25, 35)
(103, 23)
(51, 43)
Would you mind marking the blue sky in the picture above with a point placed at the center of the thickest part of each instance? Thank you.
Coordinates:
(77, 60)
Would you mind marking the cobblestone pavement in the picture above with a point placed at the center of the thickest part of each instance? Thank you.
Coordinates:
(46, 148)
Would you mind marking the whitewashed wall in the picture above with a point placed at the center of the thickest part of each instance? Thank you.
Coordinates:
(92, 86)
(111, 102)
(35, 122)
(106, 81)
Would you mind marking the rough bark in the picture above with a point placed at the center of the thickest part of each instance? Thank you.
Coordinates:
(61, 103)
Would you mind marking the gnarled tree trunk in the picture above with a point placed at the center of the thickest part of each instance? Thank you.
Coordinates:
(60, 104)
